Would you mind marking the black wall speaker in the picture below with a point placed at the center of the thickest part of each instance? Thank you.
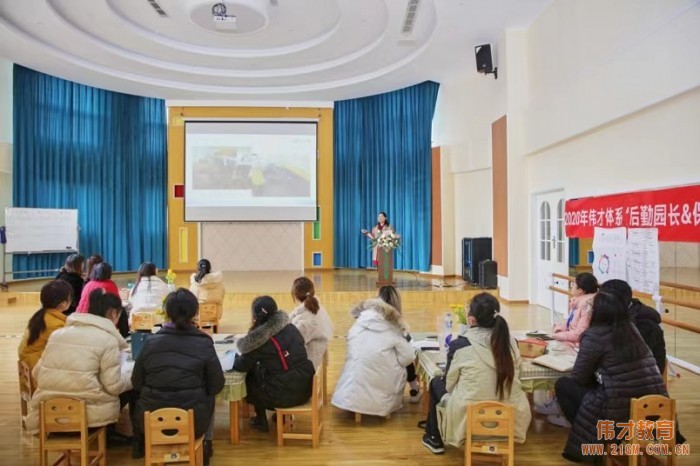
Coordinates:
(484, 60)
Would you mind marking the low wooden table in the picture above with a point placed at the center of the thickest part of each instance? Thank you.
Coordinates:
(532, 376)
(234, 388)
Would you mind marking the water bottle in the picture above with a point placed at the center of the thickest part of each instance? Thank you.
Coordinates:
(448, 329)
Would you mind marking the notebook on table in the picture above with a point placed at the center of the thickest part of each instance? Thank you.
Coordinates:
(559, 362)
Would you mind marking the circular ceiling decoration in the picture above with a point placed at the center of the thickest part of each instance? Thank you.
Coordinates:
(248, 49)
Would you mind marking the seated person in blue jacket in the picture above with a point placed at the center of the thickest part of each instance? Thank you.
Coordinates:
(273, 353)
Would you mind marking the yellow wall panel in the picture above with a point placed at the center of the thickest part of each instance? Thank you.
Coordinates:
(185, 258)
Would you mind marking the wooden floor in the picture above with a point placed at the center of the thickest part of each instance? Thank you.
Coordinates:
(374, 442)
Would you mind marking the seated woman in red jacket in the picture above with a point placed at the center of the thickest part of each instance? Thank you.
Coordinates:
(101, 277)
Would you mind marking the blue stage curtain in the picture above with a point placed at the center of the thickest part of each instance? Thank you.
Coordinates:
(101, 152)
(382, 162)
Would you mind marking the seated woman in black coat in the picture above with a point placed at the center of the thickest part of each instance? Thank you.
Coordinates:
(72, 272)
(280, 374)
(178, 368)
(613, 366)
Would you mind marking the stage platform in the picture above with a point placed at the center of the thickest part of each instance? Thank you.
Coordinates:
(336, 288)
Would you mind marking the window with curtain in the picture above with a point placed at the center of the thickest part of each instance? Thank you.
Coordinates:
(98, 151)
(382, 162)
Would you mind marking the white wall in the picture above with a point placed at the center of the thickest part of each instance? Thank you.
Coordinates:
(466, 107)
(615, 100)
(594, 61)
(601, 97)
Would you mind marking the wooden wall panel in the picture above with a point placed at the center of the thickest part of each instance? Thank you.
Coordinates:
(499, 148)
(183, 238)
(436, 217)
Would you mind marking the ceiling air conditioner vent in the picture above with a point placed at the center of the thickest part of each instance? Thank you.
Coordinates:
(409, 19)
(157, 7)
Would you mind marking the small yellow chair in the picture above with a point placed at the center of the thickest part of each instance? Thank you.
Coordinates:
(144, 321)
(26, 390)
(169, 437)
(208, 317)
(63, 428)
(654, 408)
(314, 408)
(490, 432)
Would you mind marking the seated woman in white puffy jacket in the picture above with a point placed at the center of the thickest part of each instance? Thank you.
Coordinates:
(83, 360)
(148, 292)
(208, 286)
(374, 375)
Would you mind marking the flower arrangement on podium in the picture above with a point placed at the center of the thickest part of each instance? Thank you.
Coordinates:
(387, 241)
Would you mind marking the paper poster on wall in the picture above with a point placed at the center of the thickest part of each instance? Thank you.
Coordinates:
(610, 254)
(643, 259)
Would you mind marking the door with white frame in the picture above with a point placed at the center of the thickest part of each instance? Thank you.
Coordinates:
(551, 250)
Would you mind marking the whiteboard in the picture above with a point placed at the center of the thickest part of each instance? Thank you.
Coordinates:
(41, 230)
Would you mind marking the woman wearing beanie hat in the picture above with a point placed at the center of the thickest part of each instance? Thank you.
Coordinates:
(273, 354)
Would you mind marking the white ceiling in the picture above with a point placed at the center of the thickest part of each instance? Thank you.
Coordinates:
(282, 50)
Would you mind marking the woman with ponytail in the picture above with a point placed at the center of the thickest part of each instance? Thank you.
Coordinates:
(487, 369)
(208, 286)
(56, 297)
(148, 292)
(83, 360)
(279, 373)
(311, 319)
(178, 368)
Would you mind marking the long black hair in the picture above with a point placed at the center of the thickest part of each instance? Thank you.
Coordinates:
(52, 294)
(181, 306)
(147, 269)
(610, 310)
(263, 308)
(100, 302)
(203, 268)
(101, 272)
(485, 309)
(386, 220)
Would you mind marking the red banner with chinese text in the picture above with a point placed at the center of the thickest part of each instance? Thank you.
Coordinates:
(674, 211)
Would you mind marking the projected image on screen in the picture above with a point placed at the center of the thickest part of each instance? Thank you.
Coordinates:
(250, 171)
(242, 168)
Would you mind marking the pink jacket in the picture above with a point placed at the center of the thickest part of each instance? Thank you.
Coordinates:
(108, 285)
(580, 307)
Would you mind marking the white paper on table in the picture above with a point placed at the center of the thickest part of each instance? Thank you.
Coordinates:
(127, 367)
(227, 360)
(423, 344)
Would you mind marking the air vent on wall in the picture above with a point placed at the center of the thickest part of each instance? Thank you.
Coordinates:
(157, 7)
(409, 19)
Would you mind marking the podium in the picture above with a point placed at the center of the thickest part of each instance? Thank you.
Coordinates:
(385, 267)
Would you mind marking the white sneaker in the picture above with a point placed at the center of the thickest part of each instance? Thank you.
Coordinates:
(558, 420)
(550, 407)
(415, 396)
